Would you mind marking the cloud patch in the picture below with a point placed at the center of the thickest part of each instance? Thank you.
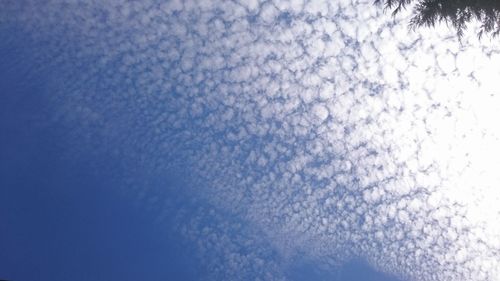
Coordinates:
(325, 127)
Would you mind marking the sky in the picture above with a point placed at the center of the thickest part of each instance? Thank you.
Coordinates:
(244, 140)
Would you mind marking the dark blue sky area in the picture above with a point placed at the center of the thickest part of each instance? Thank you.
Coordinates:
(59, 219)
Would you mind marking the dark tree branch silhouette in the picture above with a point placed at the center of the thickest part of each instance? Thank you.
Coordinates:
(458, 13)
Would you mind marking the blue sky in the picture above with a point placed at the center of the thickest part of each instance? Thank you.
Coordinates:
(244, 140)
(60, 218)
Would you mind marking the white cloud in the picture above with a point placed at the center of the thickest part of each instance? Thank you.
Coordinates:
(304, 125)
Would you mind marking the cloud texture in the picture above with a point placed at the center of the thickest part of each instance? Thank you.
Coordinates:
(319, 128)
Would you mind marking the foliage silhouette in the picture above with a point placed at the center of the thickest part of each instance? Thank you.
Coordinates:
(458, 13)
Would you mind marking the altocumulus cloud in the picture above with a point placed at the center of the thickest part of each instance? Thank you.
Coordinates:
(323, 128)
